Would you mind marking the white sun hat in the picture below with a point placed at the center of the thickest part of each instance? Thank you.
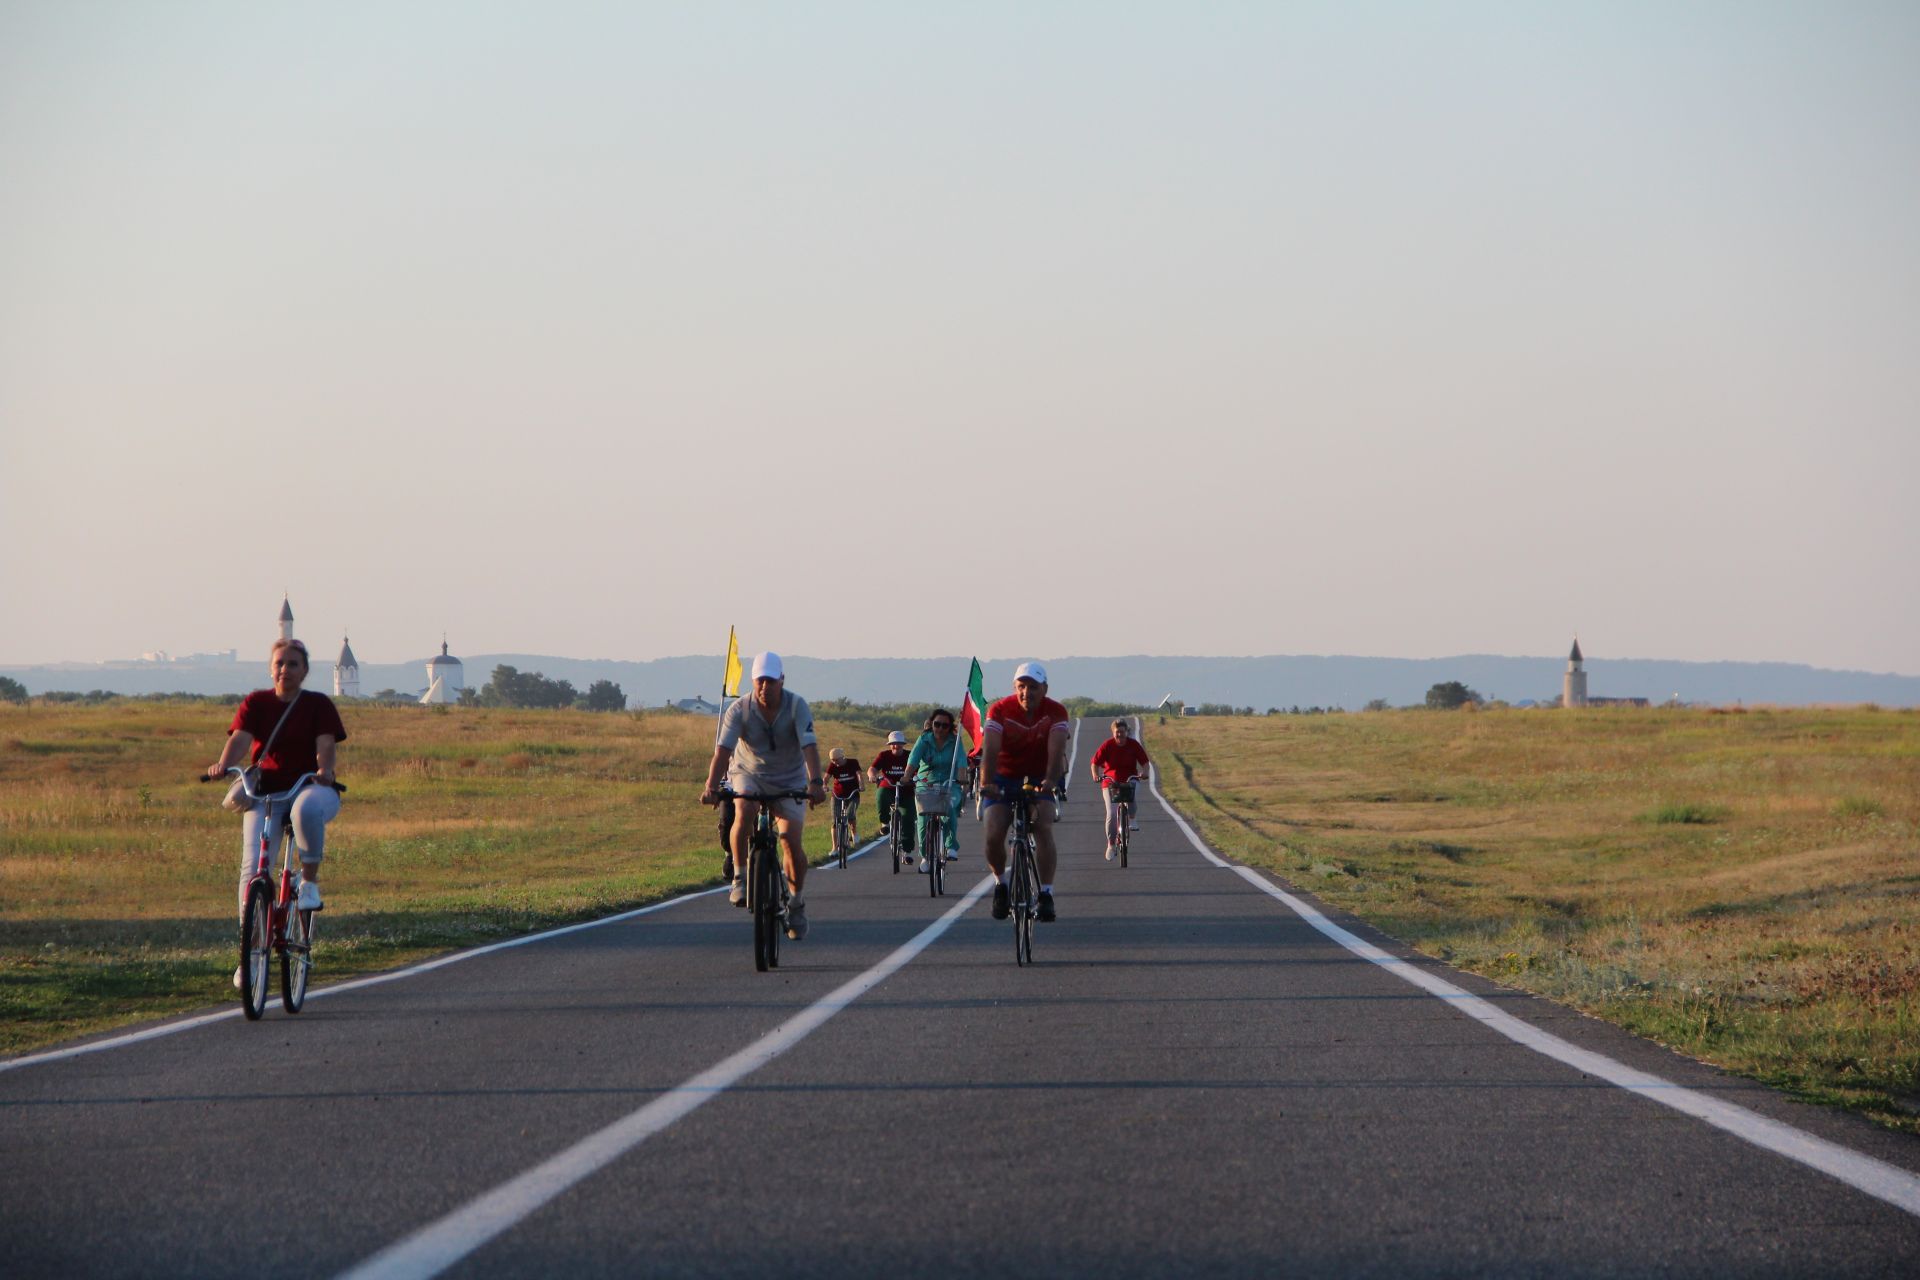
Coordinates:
(1030, 671)
(767, 667)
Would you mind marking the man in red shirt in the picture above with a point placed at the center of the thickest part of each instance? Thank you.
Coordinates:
(843, 775)
(1024, 740)
(887, 769)
(1116, 764)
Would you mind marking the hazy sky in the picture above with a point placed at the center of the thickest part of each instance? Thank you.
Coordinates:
(589, 329)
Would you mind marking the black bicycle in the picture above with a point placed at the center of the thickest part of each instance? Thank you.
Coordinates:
(1123, 814)
(1023, 871)
(843, 827)
(767, 893)
(900, 825)
(933, 847)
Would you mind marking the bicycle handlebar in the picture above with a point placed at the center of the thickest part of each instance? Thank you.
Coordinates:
(251, 794)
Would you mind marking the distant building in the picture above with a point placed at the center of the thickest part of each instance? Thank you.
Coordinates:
(698, 706)
(346, 672)
(286, 619)
(1573, 685)
(445, 677)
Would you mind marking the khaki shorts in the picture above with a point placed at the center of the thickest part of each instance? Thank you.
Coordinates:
(791, 810)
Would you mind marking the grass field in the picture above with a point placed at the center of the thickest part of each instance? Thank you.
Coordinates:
(1744, 887)
(460, 826)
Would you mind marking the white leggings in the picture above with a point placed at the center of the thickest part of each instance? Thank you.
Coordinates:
(313, 809)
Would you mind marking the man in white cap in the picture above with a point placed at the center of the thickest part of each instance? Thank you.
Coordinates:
(1023, 741)
(766, 745)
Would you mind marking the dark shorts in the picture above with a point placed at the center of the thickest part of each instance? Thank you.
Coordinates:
(1009, 783)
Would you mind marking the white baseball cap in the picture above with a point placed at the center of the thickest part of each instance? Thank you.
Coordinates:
(767, 667)
(1030, 671)
(896, 736)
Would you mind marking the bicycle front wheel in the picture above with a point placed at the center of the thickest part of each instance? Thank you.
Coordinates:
(933, 847)
(1126, 824)
(1023, 903)
(760, 908)
(256, 949)
(296, 961)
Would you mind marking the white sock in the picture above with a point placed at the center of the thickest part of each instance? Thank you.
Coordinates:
(1046, 888)
(1000, 877)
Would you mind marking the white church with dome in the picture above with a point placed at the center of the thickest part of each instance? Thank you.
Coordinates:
(445, 677)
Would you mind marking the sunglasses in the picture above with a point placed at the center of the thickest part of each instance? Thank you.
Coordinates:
(943, 724)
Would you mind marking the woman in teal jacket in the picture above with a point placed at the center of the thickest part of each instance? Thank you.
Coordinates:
(939, 758)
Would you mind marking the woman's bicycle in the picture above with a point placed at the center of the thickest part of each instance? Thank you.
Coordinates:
(843, 840)
(933, 840)
(766, 879)
(1023, 871)
(1123, 814)
(270, 923)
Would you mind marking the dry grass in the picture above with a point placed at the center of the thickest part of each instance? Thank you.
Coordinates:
(461, 825)
(1745, 887)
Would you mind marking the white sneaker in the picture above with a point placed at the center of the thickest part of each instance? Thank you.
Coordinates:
(923, 866)
(309, 896)
(1134, 826)
(738, 894)
(1109, 851)
(239, 983)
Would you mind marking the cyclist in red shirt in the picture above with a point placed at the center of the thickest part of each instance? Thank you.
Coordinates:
(1023, 740)
(843, 775)
(1117, 763)
(887, 769)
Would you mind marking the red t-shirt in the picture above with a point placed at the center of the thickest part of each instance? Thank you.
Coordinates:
(845, 777)
(1024, 736)
(293, 751)
(892, 764)
(1119, 761)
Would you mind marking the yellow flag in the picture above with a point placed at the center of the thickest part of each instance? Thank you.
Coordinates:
(730, 687)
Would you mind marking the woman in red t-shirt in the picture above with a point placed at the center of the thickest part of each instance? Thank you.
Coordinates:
(1119, 760)
(304, 743)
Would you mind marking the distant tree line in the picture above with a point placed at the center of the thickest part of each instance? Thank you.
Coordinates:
(13, 691)
(511, 687)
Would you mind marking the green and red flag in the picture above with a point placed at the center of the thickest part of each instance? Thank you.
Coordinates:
(973, 708)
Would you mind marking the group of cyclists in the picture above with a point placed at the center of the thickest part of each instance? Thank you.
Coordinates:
(766, 746)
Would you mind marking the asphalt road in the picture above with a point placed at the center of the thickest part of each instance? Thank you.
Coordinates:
(1190, 1080)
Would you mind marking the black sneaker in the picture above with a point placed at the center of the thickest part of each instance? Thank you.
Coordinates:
(726, 868)
(1001, 909)
(1045, 914)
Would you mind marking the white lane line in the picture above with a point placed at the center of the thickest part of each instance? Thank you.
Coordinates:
(439, 1245)
(1877, 1178)
(373, 980)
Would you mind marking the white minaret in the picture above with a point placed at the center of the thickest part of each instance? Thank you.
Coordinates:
(1573, 687)
(286, 619)
(346, 672)
(445, 677)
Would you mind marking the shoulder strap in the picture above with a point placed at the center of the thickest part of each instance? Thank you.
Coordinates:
(268, 749)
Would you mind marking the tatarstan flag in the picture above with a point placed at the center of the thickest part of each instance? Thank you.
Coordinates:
(973, 709)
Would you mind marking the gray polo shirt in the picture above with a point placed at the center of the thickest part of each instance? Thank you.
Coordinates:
(768, 757)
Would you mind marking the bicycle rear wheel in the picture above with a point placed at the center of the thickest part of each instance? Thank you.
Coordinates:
(296, 961)
(843, 837)
(256, 948)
